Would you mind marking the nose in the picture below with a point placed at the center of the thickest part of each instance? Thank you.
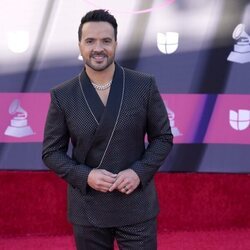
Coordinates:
(98, 46)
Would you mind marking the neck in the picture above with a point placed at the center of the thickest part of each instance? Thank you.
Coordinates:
(101, 77)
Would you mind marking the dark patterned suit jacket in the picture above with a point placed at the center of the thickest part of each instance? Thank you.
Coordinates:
(111, 138)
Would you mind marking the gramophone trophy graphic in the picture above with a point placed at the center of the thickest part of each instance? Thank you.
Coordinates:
(241, 53)
(19, 124)
(171, 116)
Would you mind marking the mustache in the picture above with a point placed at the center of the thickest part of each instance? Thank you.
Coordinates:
(98, 54)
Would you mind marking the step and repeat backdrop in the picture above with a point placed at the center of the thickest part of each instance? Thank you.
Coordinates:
(198, 51)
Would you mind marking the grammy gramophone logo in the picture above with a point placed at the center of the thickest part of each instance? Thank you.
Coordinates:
(19, 123)
(171, 116)
(241, 52)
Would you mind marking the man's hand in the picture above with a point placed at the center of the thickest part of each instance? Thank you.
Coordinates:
(101, 179)
(126, 181)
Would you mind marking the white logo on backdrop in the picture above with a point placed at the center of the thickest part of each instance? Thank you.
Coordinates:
(80, 58)
(18, 41)
(171, 117)
(241, 53)
(239, 120)
(168, 43)
(19, 124)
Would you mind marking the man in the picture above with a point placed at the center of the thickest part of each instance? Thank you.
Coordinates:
(106, 111)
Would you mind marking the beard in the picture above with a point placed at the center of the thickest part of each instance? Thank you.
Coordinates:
(99, 66)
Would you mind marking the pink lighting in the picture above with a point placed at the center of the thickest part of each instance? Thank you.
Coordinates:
(105, 5)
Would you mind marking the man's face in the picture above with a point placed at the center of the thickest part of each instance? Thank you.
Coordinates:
(98, 45)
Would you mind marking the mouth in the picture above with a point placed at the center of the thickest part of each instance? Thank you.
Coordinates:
(98, 57)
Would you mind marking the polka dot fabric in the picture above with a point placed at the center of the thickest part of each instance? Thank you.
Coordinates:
(69, 119)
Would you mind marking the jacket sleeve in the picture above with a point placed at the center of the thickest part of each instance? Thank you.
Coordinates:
(55, 146)
(159, 135)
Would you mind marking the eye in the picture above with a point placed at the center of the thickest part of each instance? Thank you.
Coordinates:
(89, 41)
(107, 41)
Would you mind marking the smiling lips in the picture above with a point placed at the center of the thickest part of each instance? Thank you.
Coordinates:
(98, 57)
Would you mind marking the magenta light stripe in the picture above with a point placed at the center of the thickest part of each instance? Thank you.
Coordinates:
(161, 5)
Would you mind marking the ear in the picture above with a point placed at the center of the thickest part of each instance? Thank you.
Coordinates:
(79, 46)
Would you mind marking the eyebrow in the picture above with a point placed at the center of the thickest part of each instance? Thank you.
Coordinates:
(108, 37)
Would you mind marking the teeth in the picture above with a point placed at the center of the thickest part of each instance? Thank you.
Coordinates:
(98, 58)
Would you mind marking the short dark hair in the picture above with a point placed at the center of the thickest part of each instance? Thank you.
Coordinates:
(98, 16)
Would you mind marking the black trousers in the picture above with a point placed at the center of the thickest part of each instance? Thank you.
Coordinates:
(132, 237)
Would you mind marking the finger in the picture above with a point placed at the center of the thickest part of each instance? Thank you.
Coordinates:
(126, 190)
(123, 186)
(107, 185)
(113, 187)
(129, 191)
(104, 190)
(107, 173)
(108, 179)
(115, 184)
(103, 186)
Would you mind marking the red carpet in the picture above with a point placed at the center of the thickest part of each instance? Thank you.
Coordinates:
(198, 211)
(216, 240)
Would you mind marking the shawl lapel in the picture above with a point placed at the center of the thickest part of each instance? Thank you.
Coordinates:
(105, 117)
